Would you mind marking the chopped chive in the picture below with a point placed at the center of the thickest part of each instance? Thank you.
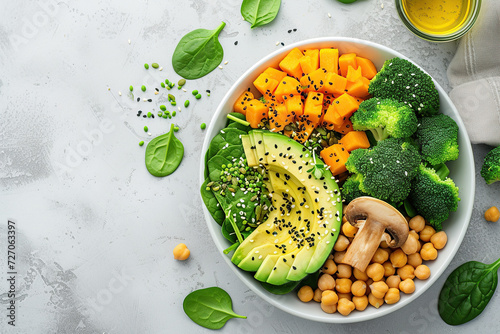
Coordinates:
(203, 126)
(155, 65)
(146, 66)
(186, 103)
(194, 92)
(237, 120)
(198, 96)
(143, 88)
(145, 128)
(141, 143)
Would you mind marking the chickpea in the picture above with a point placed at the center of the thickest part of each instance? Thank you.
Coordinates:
(344, 271)
(338, 256)
(343, 285)
(358, 288)
(329, 267)
(326, 282)
(305, 294)
(393, 281)
(349, 230)
(439, 240)
(381, 255)
(398, 258)
(360, 275)
(341, 244)
(492, 214)
(388, 269)
(317, 295)
(417, 223)
(378, 289)
(428, 252)
(414, 234)
(407, 271)
(414, 260)
(392, 296)
(345, 306)
(347, 296)
(329, 298)
(181, 252)
(422, 272)
(410, 246)
(375, 271)
(329, 308)
(427, 233)
(368, 283)
(360, 302)
(374, 301)
(407, 286)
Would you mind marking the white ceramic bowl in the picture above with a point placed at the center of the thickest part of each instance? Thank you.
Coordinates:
(462, 172)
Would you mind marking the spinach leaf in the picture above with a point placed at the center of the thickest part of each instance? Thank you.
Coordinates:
(224, 137)
(210, 307)
(259, 12)
(198, 53)
(467, 291)
(215, 167)
(211, 203)
(280, 289)
(164, 154)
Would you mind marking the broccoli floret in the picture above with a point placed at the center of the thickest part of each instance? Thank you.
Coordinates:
(385, 118)
(438, 138)
(402, 80)
(387, 169)
(350, 188)
(491, 166)
(432, 196)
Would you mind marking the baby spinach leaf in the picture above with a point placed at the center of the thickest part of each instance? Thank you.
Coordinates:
(211, 203)
(164, 154)
(467, 291)
(280, 289)
(210, 307)
(224, 137)
(198, 53)
(259, 12)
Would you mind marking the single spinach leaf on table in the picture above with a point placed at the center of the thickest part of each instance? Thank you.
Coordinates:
(211, 203)
(467, 291)
(259, 12)
(164, 154)
(198, 53)
(210, 307)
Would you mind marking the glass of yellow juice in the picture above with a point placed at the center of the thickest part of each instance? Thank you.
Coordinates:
(438, 20)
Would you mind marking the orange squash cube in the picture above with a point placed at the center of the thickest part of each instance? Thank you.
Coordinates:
(353, 74)
(287, 87)
(368, 69)
(291, 64)
(294, 105)
(304, 131)
(345, 127)
(265, 84)
(331, 118)
(256, 112)
(335, 157)
(313, 107)
(329, 59)
(354, 140)
(334, 84)
(345, 105)
(314, 81)
(279, 117)
(241, 102)
(314, 54)
(358, 88)
(275, 74)
(345, 60)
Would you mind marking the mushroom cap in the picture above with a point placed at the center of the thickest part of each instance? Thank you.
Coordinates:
(366, 209)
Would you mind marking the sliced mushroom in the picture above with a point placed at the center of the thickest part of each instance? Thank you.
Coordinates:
(377, 221)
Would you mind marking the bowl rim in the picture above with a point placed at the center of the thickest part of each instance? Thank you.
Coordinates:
(275, 300)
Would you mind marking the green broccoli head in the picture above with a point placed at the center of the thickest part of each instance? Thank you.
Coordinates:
(491, 166)
(350, 188)
(387, 169)
(432, 196)
(385, 118)
(402, 80)
(438, 138)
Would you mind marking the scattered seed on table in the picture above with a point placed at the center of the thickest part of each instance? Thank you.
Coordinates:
(163, 108)
(160, 69)
(162, 85)
(150, 100)
(138, 99)
(173, 103)
(152, 115)
(131, 88)
(294, 29)
(277, 43)
(157, 89)
(282, 44)
(225, 63)
(220, 66)
(145, 128)
(143, 88)
(129, 41)
(176, 128)
(186, 103)
(184, 89)
(194, 92)
(181, 82)
(203, 126)
(236, 43)
(198, 96)
(139, 113)
(156, 93)
(149, 133)
(179, 108)
(208, 92)
(155, 65)
(119, 93)
(144, 100)
(289, 31)
(146, 66)
(141, 143)
(149, 114)
(329, 15)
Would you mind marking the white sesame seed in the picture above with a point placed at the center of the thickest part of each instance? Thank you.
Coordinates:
(225, 63)
(129, 41)
(277, 43)
(160, 69)
(329, 15)
(220, 67)
(120, 93)
(149, 133)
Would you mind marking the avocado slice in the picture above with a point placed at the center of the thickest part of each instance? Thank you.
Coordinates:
(300, 232)
(250, 155)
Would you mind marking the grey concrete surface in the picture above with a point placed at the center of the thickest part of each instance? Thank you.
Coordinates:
(95, 231)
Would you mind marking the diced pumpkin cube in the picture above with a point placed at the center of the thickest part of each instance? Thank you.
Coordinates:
(265, 84)
(256, 112)
(334, 84)
(287, 87)
(279, 117)
(306, 64)
(345, 105)
(345, 128)
(291, 65)
(314, 54)
(241, 102)
(304, 129)
(269, 101)
(354, 140)
(335, 156)
(275, 74)
(353, 74)
(314, 81)
(358, 88)
(331, 118)
(329, 59)
(368, 69)
(294, 105)
(313, 107)
(345, 60)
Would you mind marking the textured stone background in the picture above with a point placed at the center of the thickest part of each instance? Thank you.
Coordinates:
(95, 230)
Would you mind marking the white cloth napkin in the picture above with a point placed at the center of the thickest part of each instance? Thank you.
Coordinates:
(474, 74)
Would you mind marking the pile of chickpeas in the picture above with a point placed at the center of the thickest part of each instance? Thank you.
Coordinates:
(391, 272)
